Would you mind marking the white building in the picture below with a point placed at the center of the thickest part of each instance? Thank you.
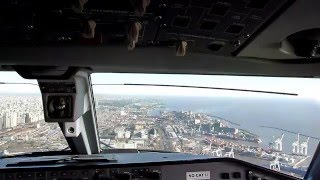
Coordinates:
(14, 119)
(123, 113)
(127, 134)
(6, 120)
(120, 132)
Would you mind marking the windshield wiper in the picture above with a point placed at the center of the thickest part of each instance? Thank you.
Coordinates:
(18, 83)
(201, 87)
(118, 151)
(37, 154)
(65, 160)
(106, 145)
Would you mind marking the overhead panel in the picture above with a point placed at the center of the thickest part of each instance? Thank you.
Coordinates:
(216, 26)
(220, 27)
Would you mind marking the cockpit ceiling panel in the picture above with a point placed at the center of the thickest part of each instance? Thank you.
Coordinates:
(219, 27)
(300, 16)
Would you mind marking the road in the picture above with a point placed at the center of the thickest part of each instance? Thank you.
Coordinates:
(165, 143)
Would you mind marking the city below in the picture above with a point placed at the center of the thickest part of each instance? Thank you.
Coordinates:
(145, 123)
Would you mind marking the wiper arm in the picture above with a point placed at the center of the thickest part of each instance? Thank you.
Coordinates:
(37, 154)
(201, 87)
(65, 160)
(17, 83)
(106, 145)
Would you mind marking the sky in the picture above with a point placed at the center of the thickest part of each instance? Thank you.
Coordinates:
(303, 86)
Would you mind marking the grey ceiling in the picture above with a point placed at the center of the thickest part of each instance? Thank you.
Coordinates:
(152, 60)
(301, 15)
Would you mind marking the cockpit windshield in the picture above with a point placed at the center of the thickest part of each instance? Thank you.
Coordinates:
(268, 121)
(22, 125)
(274, 127)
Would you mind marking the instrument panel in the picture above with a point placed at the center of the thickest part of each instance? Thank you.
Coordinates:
(169, 172)
(169, 169)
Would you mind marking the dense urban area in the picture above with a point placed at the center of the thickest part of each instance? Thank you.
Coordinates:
(143, 123)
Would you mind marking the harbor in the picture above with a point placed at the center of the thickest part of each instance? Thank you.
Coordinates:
(273, 157)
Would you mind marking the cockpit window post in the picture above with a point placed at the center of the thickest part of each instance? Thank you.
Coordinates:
(70, 103)
(313, 170)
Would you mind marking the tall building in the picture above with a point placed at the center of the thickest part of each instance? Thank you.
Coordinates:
(14, 119)
(6, 120)
(27, 118)
(1, 122)
(21, 118)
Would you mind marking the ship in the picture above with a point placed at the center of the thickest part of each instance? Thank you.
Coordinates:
(301, 171)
